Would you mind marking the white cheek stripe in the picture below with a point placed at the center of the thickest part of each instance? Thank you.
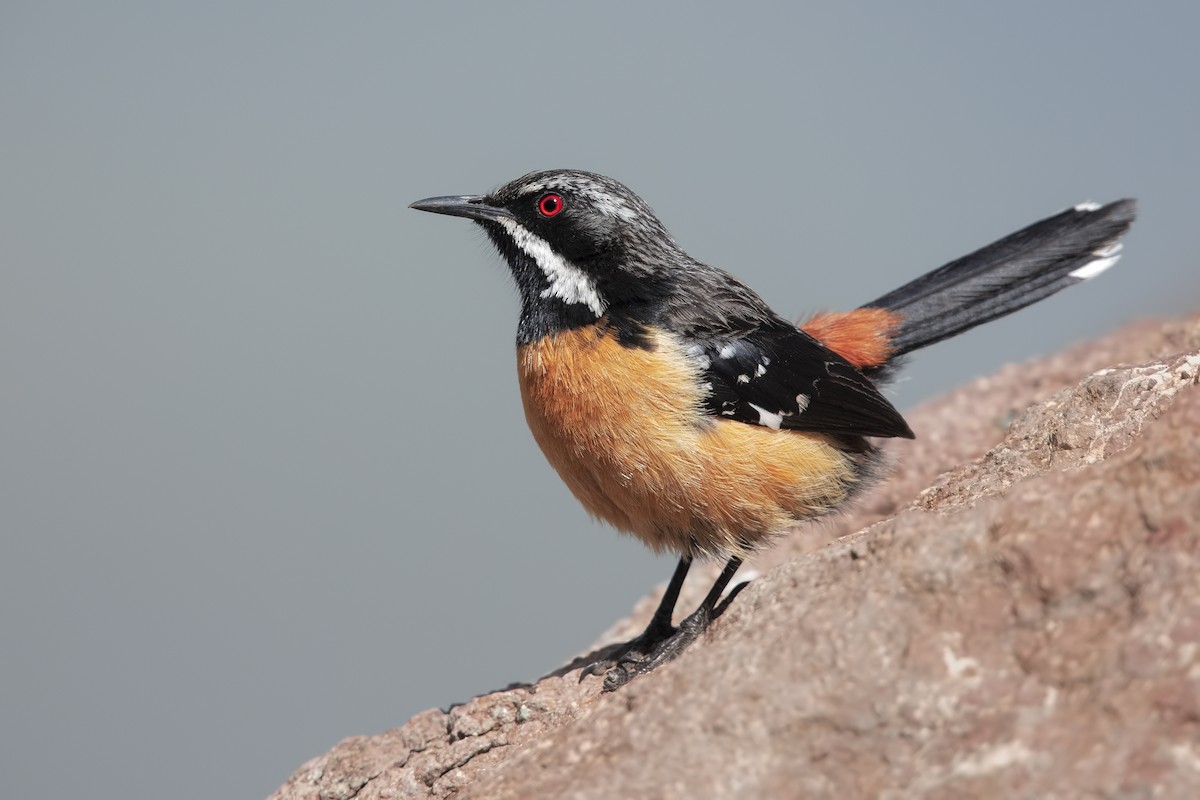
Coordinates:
(567, 282)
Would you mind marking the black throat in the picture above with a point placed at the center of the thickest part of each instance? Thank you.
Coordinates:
(542, 317)
(542, 313)
(626, 301)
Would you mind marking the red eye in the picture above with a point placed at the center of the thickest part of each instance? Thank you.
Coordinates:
(551, 205)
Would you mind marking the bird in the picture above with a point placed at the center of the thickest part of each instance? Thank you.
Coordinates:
(677, 406)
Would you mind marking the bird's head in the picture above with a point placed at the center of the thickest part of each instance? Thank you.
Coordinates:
(579, 244)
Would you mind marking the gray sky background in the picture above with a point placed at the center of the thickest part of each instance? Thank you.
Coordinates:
(264, 477)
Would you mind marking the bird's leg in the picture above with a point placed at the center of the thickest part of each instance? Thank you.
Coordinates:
(688, 631)
(631, 663)
(659, 629)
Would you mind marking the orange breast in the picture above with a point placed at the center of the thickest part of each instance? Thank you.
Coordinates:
(624, 428)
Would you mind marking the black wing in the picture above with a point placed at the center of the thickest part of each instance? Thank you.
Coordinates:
(781, 377)
(765, 371)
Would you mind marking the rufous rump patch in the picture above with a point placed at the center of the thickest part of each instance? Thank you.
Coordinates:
(863, 336)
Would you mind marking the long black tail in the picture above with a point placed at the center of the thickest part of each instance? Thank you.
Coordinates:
(1008, 275)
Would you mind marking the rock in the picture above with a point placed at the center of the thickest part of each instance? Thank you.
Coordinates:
(1021, 623)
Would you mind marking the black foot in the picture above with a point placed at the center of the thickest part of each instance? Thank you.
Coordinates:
(661, 642)
(627, 668)
(636, 649)
(644, 655)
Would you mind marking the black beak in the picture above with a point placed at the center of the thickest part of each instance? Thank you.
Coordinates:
(470, 206)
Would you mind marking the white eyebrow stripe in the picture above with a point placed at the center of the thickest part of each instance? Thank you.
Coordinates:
(601, 198)
(612, 206)
(567, 282)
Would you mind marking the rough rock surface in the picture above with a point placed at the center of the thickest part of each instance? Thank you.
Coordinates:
(1021, 618)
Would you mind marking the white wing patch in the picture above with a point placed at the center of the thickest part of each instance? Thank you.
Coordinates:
(768, 418)
(567, 282)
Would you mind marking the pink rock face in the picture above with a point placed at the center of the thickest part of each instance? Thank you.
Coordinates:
(1021, 619)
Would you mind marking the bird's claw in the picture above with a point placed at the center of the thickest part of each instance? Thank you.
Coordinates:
(648, 652)
(626, 656)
